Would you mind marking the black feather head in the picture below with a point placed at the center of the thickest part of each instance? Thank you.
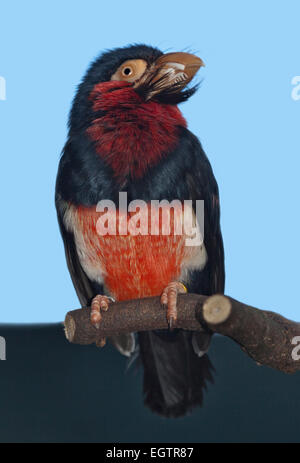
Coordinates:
(103, 68)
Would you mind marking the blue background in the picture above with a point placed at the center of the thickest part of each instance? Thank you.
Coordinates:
(244, 115)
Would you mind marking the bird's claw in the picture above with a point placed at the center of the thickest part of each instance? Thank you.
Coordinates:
(171, 323)
(169, 301)
(101, 342)
(99, 303)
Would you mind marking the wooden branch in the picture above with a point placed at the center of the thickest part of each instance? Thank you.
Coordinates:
(265, 336)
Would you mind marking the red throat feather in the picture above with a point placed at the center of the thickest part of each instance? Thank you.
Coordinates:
(132, 134)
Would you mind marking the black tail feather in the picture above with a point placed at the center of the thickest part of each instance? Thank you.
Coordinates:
(174, 376)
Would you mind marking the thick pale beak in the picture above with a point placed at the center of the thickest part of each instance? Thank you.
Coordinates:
(171, 72)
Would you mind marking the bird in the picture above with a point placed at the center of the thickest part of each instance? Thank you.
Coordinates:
(127, 135)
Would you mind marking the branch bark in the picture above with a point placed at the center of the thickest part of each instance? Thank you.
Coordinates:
(265, 336)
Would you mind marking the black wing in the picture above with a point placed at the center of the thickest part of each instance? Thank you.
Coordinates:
(202, 185)
(82, 284)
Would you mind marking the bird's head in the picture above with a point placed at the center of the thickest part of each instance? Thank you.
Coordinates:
(137, 74)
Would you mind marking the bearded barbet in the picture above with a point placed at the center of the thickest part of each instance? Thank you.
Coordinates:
(127, 135)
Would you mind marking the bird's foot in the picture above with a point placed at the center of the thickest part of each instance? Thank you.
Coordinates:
(168, 300)
(99, 303)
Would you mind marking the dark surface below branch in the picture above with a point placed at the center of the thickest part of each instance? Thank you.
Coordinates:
(55, 391)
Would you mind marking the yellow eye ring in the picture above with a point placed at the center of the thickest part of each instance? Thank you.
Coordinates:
(130, 70)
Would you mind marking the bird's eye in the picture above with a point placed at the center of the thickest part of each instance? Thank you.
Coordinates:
(127, 71)
(130, 71)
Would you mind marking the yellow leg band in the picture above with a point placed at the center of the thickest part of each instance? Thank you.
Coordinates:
(184, 287)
